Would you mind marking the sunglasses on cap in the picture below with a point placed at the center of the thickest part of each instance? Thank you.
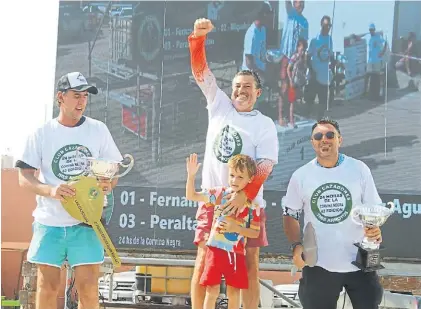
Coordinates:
(318, 136)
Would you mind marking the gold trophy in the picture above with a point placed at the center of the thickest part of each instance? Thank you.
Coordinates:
(88, 203)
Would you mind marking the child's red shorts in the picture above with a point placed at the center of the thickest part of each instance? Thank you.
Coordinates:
(220, 263)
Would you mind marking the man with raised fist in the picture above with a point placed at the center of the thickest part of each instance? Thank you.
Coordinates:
(234, 128)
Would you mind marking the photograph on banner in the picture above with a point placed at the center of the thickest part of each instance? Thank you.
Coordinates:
(357, 62)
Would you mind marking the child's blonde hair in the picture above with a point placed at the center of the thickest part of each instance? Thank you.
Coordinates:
(242, 162)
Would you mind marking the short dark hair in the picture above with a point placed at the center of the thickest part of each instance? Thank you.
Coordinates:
(326, 120)
(303, 42)
(265, 9)
(251, 73)
(325, 17)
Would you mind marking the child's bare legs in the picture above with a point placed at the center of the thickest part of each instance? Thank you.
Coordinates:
(281, 99)
(291, 114)
(212, 293)
(233, 295)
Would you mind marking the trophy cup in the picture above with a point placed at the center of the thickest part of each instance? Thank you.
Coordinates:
(105, 168)
(88, 204)
(274, 55)
(368, 256)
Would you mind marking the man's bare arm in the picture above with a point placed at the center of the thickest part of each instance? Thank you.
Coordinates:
(384, 48)
(264, 168)
(291, 215)
(292, 229)
(250, 62)
(28, 181)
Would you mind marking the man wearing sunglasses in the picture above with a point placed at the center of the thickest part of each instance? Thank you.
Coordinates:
(326, 189)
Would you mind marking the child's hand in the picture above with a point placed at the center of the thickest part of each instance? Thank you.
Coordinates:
(228, 226)
(192, 165)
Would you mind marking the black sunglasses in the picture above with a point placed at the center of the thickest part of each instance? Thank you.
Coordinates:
(318, 136)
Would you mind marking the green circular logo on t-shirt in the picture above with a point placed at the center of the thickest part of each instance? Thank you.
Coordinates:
(331, 203)
(228, 143)
(65, 164)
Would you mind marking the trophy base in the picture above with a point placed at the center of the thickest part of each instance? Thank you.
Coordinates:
(367, 269)
(368, 260)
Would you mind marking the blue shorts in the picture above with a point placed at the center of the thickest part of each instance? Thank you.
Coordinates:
(51, 245)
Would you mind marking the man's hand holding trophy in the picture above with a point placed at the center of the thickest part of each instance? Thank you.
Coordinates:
(371, 217)
(87, 201)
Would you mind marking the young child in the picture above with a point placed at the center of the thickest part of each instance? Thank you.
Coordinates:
(225, 255)
(297, 74)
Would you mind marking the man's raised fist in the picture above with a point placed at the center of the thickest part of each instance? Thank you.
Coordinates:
(202, 26)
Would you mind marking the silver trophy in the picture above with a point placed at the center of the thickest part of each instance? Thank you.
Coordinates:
(105, 168)
(368, 256)
(274, 55)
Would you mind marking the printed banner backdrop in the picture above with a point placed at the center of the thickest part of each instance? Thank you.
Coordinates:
(137, 54)
(161, 218)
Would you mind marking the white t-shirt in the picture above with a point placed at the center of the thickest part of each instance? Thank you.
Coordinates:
(230, 133)
(327, 195)
(52, 150)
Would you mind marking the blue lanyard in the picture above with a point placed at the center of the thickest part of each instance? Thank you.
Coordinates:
(341, 159)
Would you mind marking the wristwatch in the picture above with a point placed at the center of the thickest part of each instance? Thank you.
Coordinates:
(295, 244)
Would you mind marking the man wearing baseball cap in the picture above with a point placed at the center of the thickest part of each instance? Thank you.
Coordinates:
(58, 237)
(75, 81)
